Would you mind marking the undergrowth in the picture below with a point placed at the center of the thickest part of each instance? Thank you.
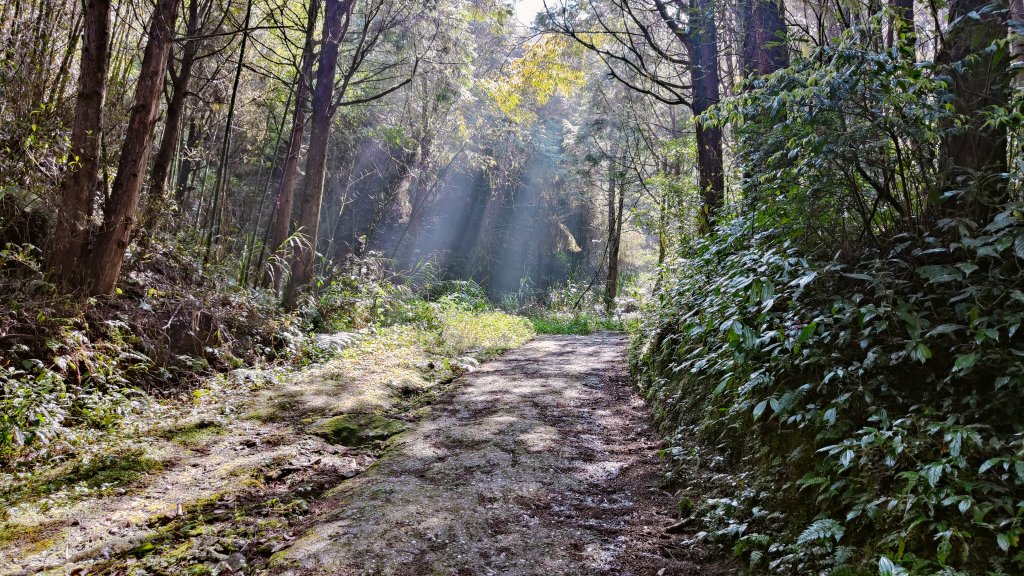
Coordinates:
(579, 323)
(842, 369)
(876, 406)
(74, 370)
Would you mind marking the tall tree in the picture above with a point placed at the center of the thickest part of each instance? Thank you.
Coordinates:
(68, 239)
(764, 37)
(119, 210)
(615, 203)
(764, 51)
(337, 16)
(979, 66)
(636, 54)
(702, 44)
(216, 216)
(181, 77)
(290, 172)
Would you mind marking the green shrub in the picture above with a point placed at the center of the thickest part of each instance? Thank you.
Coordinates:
(890, 390)
(849, 348)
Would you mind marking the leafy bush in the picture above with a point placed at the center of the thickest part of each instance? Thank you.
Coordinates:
(72, 369)
(353, 297)
(465, 292)
(892, 389)
(850, 344)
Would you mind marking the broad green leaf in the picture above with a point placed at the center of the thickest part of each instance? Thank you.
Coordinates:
(1003, 541)
(965, 361)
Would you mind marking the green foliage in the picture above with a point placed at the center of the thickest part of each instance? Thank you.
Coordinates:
(891, 388)
(490, 332)
(357, 296)
(72, 370)
(90, 473)
(850, 343)
(847, 136)
(574, 323)
(75, 382)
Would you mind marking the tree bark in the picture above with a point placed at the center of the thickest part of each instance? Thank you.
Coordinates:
(290, 172)
(119, 211)
(1017, 45)
(336, 17)
(702, 44)
(976, 152)
(172, 126)
(764, 51)
(186, 165)
(764, 37)
(616, 195)
(700, 38)
(67, 242)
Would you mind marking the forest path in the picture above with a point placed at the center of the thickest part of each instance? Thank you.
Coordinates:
(542, 462)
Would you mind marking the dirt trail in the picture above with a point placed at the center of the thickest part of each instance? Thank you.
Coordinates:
(541, 463)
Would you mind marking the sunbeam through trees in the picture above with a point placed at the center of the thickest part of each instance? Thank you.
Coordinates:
(534, 287)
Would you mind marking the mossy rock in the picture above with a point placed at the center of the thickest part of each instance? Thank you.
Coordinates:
(357, 429)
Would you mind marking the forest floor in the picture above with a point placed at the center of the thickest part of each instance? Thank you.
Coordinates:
(541, 461)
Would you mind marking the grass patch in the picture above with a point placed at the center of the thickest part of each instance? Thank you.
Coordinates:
(25, 534)
(489, 332)
(578, 324)
(195, 433)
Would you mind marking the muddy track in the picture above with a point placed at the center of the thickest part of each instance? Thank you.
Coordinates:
(542, 462)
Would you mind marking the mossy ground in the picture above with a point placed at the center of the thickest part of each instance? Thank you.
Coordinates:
(357, 429)
(237, 458)
(98, 473)
(195, 433)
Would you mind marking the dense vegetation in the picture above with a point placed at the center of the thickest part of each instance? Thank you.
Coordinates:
(848, 338)
(808, 214)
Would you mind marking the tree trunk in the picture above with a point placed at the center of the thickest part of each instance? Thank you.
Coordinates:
(172, 126)
(764, 52)
(290, 172)
(67, 242)
(1017, 45)
(615, 206)
(220, 189)
(901, 29)
(975, 152)
(119, 211)
(764, 37)
(702, 45)
(699, 37)
(336, 12)
(275, 154)
(186, 165)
